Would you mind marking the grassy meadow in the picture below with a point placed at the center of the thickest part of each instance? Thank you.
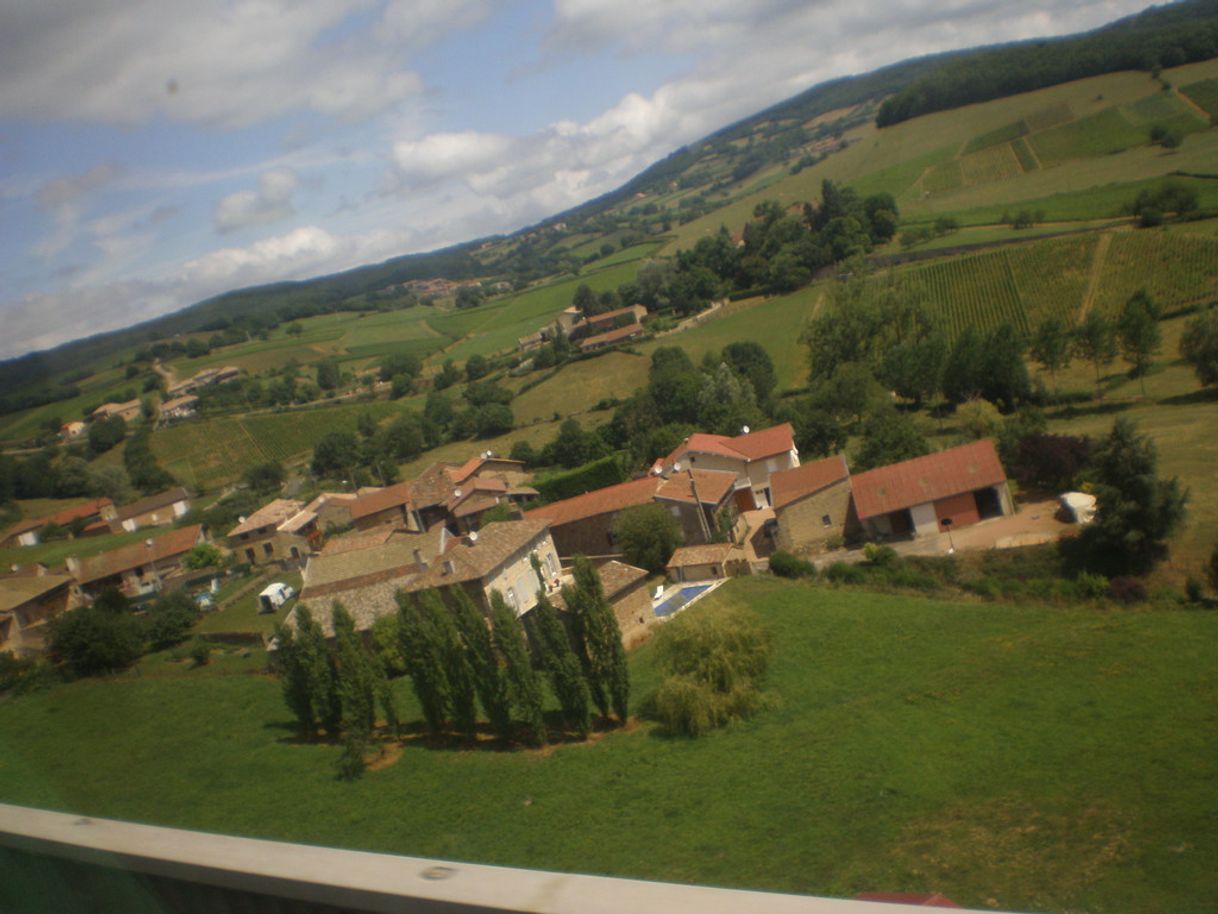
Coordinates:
(1016, 757)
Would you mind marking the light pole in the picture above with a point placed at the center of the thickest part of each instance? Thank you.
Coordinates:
(947, 525)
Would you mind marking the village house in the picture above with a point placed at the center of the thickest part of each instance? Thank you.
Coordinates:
(281, 531)
(932, 494)
(128, 411)
(140, 568)
(752, 456)
(92, 516)
(390, 505)
(583, 525)
(458, 496)
(709, 562)
(499, 557)
(154, 511)
(611, 338)
(333, 509)
(702, 500)
(179, 408)
(812, 505)
(27, 602)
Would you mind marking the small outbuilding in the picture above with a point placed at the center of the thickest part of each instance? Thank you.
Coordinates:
(711, 562)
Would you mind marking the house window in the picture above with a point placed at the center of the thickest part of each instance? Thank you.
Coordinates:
(771, 465)
(552, 563)
(827, 521)
(676, 511)
(268, 549)
(249, 556)
(511, 597)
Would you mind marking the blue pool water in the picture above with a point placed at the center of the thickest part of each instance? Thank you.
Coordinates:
(678, 601)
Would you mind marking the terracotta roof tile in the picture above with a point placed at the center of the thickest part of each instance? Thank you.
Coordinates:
(394, 496)
(167, 546)
(925, 479)
(64, 517)
(758, 445)
(152, 502)
(19, 589)
(272, 514)
(703, 555)
(790, 485)
(600, 501)
(712, 486)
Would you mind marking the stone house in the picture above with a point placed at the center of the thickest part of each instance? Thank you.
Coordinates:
(812, 504)
(710, 562)
(753, 456)
(138, 569)
(27, 603)
(281, 531)
(95, 515)
(583, 525)
(702, 500)
(159, 510)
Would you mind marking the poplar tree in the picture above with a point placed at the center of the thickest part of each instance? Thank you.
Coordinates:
(295, 679)
(549, 636)
(357, 680)
(523, 689)
(488, 676)
(320, 672)
(601, 640)
(462, 694)
(424, 662)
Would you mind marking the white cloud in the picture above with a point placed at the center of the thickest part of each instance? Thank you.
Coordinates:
(236, 64)
(271, 202)
(62, 198)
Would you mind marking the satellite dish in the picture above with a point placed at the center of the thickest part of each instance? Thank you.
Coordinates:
(744, 429)
(473, 537)
(677, 467)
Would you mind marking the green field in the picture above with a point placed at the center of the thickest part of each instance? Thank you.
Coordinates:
(1100, 134)
(997, 163)
(1000, 137)
(212, 452)
(1014, 757)
(1175, 269)
(1205, 94)
(977, 291)
(579, 386)
(1051, 276)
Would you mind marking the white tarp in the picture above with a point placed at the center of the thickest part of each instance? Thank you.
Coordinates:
(1078, 507)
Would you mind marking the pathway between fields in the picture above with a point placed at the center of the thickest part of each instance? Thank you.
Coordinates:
(1097, 269)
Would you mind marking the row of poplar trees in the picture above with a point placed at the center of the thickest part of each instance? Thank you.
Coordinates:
(460, 662)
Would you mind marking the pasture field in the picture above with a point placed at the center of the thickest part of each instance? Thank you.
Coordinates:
(1204, 94)
(1100, 134)
(776, 323)
(497, 326)
(212, 452)
(579, 386)
(1025, 155)
(899, 179)
(945, 177)
(1010, 756)
(999, 137)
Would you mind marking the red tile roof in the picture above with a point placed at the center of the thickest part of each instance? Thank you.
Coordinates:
(62, 518)
(170, 545)
(609, 337)
(711, 553)
(601, 501)
(925, 479)
(390, 497)
(713, 486)
(766, 442)
(789, 485)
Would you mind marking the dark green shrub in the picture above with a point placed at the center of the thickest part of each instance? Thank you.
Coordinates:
(843, 573)
(786, 565)
(1127, 590)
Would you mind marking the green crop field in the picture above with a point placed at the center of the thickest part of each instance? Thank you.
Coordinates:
(973, 291)
(1053, 116)
(1175, 269)
(212, 452)
(1099, 134)
(999, 137)
(947, 176)
(995, 163)
(1007, 756)
(1023, 152)
(1204, 94)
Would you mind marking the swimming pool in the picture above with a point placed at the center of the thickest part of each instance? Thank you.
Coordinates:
(682, 598)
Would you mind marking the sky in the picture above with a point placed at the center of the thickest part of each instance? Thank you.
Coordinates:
(154, 153)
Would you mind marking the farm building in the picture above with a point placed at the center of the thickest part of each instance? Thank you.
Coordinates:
(752, 456)
(611, 337)
(140, 568)
(179, 408)
(27, 602)
(390, 505)
(72, 430)
(93, 515)
(128, 411)
(458, 495)
(710, 562)
(931, 494)
(159, 510)
(702, 500)
(812, 504)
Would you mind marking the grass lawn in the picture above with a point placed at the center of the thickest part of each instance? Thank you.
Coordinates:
(580, 386)
(1025, 758)
(242, 614)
